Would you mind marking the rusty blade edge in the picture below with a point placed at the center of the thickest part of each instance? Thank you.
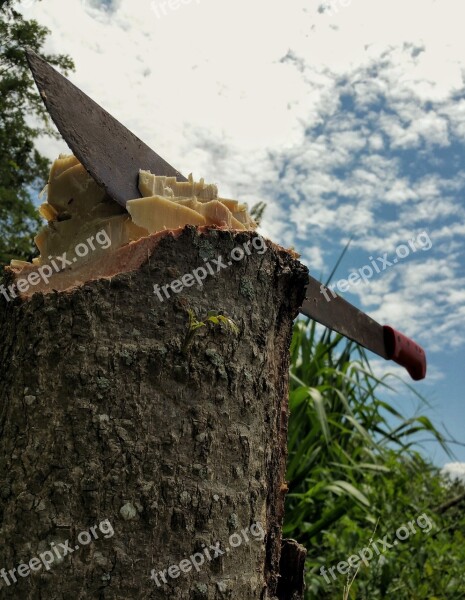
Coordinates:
(109, 151)
(329, 309)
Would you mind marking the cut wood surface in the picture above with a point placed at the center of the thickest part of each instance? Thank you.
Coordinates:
(107, 416)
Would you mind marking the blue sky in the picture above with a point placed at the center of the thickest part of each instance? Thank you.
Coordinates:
(346, 117)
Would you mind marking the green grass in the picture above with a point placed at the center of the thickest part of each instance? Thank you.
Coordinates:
(354, 462)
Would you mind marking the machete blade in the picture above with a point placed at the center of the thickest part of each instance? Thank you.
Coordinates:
(113, 156)
(334, 312)
(110, 152)
(329, 309)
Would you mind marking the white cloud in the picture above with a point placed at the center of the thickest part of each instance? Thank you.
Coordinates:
(455, 470)
(396, 376)
(337, 122)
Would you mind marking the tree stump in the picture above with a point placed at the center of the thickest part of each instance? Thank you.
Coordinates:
(128, 446)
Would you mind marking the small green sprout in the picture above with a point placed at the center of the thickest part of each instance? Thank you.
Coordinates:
(212, 317)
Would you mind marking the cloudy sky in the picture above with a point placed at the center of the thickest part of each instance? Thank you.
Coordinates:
(347, 117)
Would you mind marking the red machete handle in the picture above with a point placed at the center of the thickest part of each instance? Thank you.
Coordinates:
(405, 352)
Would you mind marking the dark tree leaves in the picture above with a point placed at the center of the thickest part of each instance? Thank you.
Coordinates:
(23, 119)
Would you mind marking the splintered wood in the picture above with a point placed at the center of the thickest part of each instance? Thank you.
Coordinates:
(89, 235)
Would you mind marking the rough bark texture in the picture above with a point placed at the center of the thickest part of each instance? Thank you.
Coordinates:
(102, 416)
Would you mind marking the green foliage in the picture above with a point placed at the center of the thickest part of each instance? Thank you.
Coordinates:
(257, 211)
(352, 467)
(23, 118)
(214, 318)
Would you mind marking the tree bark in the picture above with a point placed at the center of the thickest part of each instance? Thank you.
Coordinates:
(105, 414)
(291, 584)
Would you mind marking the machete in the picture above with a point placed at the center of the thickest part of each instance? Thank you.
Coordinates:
(113, 156)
